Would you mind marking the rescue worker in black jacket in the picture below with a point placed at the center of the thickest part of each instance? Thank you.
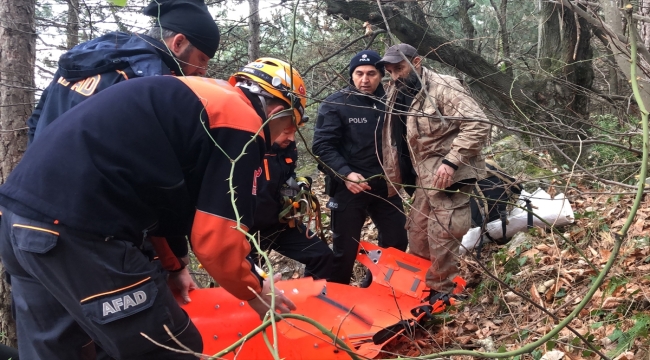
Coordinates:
(347, 139)
(158, 155)
(289, 238)
(183, 40)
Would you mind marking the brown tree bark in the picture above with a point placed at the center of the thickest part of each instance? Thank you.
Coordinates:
(565, 54)
(72, 25)
(502, 16)
(415, 13)
(612, 74)
(254, 28)
(644, 27)
(17, 58)
(466, 24)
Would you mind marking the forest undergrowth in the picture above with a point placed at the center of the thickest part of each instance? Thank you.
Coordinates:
(551, 272)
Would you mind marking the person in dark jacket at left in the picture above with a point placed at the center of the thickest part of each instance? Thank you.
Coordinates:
(182, 41)
(347, 138)
(159, 155)
(278, 179)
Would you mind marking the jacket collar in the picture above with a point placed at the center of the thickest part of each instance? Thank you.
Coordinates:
(277, 150)
(378, 94)
(259, 109)
(426, 80)
(145, 55)
(167, 57)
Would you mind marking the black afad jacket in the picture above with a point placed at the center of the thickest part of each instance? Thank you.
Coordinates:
(348, 130)
(95, 65)
(152, 155)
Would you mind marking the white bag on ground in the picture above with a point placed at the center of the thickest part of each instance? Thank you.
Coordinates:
(556, 212)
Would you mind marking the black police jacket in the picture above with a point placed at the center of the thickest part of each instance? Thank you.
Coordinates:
(278, 166)
(92, 66)
(347, 136)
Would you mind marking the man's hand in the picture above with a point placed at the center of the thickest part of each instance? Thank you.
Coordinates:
(443, 177)
(182, 282)
(282, 303)
(354, 187)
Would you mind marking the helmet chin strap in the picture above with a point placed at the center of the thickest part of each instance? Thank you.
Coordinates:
(263, 101)
(282, 113)
(254, 89)
(267, 124)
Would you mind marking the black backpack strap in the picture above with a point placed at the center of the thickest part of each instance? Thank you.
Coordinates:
(529, 208)
(483, 210)
(388, 332)
(479, 247)
(504, 223)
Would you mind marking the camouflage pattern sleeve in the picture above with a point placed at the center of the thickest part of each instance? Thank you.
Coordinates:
(473, 134)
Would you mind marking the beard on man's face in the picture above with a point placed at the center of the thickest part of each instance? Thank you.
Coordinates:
(184, 59)
(409, 82)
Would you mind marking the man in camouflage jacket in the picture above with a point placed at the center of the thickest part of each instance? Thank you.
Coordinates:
(433, 136)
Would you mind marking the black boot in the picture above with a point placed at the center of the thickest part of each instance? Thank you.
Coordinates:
(367, 279)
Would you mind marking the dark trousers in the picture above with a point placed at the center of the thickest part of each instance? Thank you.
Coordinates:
(294, 244)
(349, 212)
(7, 353)
(73, 290)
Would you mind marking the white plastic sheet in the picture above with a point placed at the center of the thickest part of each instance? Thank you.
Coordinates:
(556, 212)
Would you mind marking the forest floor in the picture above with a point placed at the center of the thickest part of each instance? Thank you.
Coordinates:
(550, 272)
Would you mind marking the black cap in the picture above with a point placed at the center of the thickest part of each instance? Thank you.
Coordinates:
(366, 57)
(394, 53)
(190, 18)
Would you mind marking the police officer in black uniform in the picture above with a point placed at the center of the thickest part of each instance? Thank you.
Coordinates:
(291, 239)
(347, 139)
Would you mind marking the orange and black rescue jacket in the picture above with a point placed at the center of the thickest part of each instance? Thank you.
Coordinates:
(279, 165)
(152, 156)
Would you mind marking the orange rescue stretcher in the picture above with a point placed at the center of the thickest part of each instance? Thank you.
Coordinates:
(365, 319)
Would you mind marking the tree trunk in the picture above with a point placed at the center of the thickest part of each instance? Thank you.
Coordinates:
(612, 18)
(502, 12)
(644, 27)
(565, 53)
(415, 13)
(72, 26)
(17, 59)
(466, 24)
(612, 74)
(254, 27)
(565, 56)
